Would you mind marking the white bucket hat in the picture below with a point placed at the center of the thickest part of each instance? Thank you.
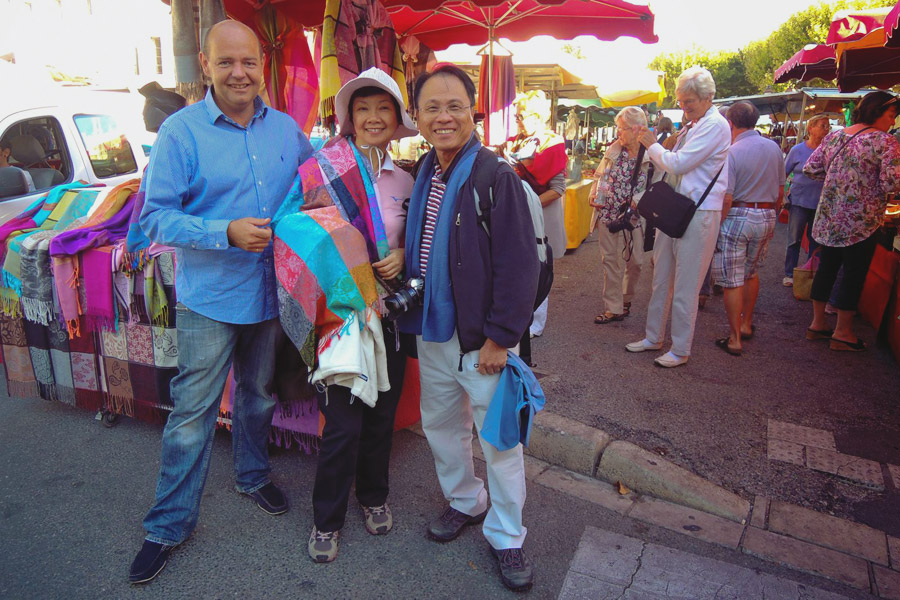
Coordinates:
(373, 77)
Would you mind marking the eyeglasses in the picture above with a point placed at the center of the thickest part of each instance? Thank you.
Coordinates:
(454, 110)
(687, 102)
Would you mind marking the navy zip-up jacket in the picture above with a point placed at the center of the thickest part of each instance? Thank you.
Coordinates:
(494, 278)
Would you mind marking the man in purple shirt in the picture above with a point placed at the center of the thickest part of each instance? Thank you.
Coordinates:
(218, 172)
(752, 199)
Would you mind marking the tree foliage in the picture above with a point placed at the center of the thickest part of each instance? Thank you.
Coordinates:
(751, 70)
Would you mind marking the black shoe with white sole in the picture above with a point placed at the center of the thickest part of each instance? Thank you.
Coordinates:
(270, 499)
(149, 562)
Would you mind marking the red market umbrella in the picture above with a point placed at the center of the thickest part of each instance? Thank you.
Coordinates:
(478, 22)
(475, 22)
(812, 61)
(891, 22)
(308, 13)
(853, 25)
(858, 38)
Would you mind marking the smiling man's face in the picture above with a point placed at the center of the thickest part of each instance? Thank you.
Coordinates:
(445, 115)
(235, 66)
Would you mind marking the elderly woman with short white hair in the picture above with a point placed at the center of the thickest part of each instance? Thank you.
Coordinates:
(621, 235)
(692, 167)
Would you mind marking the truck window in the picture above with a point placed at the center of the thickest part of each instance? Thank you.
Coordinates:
(108, 148)
(36, 146)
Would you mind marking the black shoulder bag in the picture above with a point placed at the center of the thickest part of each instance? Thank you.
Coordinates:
(669, 211)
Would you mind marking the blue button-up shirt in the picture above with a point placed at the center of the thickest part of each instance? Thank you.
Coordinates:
(755, 169)
(205, 171)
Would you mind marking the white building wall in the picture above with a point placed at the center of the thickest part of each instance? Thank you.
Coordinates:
(110, 42)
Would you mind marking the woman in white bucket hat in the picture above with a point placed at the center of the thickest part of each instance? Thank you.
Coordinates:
(356, 439)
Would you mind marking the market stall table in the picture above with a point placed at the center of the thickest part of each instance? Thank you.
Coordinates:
(577, 216)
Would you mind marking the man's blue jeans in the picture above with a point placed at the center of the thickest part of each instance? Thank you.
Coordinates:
(205, 351)
(800, 220)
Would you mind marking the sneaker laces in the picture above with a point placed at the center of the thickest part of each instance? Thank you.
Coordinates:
(325, 536)
(377, 510)
(514, 557)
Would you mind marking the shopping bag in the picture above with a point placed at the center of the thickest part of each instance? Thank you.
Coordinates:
(803, 277)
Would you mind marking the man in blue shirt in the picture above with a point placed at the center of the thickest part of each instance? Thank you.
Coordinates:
(218, 172)
(753, 197)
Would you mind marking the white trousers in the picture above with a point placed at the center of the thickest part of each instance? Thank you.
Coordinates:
(679, 268)
(452, 400)
(620, 276)
(539, 320)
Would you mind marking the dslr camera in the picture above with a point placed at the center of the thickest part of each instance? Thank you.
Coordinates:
(627, 221)
(411, 294)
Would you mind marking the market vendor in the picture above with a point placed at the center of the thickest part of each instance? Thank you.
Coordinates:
(539, 157)
(218, 172)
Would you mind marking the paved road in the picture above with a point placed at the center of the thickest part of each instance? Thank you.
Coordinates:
(711, 415)
(72, 495)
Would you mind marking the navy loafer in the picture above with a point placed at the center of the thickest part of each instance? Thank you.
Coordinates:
(270, 499)
(149, 562)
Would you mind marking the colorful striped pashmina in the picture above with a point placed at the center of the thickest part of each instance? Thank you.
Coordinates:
(106, 224)
(99, 299)
(34, 215)
(37, 285)
(41, 215)
(349, 47)
(139, 358)
(338, 175)
(323, 276)
(292, 81)
(136, 241)
(296, 421)
(20, 380)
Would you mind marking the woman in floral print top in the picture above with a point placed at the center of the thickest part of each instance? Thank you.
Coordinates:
(621, 253)
(860, 166)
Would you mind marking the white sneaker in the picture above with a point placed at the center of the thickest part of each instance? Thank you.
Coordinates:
(669, 360)
(787, 281)
(642, 346)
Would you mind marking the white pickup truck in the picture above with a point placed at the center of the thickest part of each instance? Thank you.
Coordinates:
(61, 136)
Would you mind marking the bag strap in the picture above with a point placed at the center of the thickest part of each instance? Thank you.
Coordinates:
(841, 147)
(710, 186)
(483, 174)
(634, 177)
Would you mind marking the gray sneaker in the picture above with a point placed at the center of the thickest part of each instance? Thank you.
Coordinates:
(516, 570)
(378, 519)
(450, 524)
(323, 545)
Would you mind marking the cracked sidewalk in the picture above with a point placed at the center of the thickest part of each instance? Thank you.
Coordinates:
(610, 566)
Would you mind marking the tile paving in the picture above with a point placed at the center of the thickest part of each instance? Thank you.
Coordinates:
(894, 471)
(608, 565)
(788, 452)
(894, 548)
(798, 434)
(858, 470)
(887, 582)
(807, 557)
(828, 531)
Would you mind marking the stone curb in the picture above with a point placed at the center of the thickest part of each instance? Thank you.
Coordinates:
(585, 462)
(583, 449)
(647, 473)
